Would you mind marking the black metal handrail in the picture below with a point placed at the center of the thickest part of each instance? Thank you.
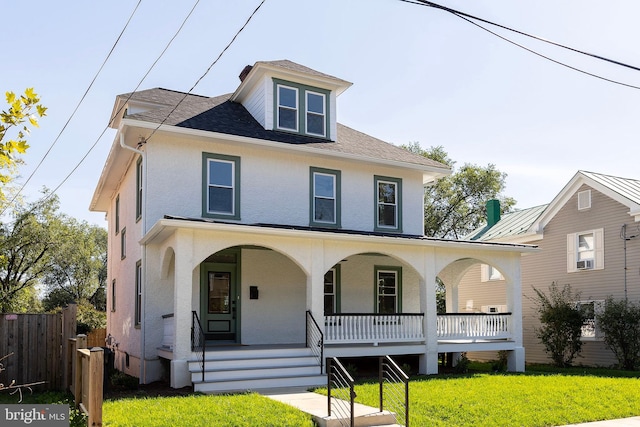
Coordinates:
(340, 386)
(315, 339)
(397, 388)
(198, 341)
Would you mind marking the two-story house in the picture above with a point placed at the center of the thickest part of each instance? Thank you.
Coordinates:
(589, 238)
(251, 236)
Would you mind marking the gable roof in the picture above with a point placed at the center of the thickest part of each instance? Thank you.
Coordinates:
(625, 191)
(221, 115)
(513, 226)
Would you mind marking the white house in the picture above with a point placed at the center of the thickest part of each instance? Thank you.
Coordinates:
(256, 223)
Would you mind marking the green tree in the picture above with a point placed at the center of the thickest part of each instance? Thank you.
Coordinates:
(456, 205)
(21, 110)
(620, 323)
(25, 243)
(77, 267)
(562, 321)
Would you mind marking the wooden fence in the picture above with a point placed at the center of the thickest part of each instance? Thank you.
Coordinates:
(96, 338)
(87, 367)
(36, 342)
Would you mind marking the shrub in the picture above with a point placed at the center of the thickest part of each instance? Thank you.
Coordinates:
(122, 381)
(620, 323)
(462, 365)
(501, 364)
(562, 322)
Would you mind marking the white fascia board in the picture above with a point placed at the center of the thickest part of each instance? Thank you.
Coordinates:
(280, 146)
(165, 227)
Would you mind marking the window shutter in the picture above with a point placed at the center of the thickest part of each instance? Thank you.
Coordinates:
(571, 253)
(598, 237)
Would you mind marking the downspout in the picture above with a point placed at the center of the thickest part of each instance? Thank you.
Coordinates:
(143, 207)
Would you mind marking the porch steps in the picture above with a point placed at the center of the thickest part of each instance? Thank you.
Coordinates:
(256, 368)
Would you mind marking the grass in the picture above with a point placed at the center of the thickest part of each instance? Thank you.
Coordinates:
(199, 410)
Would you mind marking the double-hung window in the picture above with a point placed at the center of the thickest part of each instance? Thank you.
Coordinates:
(139, 189)
(388, 204)
(301, 109)
(221, 189)
(138, 296)
(388, 290)
(585, 250)
(117, 214)
(332, 291)
(325, 197)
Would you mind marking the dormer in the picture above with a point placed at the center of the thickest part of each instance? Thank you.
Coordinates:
(287, 97)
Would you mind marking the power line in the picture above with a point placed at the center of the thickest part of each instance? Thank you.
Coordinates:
(233, 39)
(75, 110)
(470, 18)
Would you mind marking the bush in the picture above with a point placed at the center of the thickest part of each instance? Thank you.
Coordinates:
(462, 365)
(562, 322)
(620, 323)
(121, 381)
(501, 364)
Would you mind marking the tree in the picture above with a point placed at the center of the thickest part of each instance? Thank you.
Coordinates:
(620, 324)
(22, 109)
(25, 243)
(456, 205)
(562, 321)
(77, 267)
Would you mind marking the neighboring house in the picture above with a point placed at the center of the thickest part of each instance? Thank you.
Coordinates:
(282, 235)
(589, 237)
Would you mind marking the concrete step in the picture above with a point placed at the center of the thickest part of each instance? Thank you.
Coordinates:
(261, 372)
(252, 363)
(238, 385)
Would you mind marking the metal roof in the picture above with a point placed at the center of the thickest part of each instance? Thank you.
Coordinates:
(511, 224)
(626, 187)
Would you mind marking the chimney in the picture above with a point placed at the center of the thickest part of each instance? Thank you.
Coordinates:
(493, 212)
(244, 72)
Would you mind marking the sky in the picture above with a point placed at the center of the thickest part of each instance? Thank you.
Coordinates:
(419, 74)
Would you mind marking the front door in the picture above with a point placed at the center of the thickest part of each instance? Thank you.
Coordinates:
(219, 301)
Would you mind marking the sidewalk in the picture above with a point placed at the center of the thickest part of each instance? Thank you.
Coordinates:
(623, 422)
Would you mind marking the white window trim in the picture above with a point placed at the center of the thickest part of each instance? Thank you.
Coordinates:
(323, 114)
(396, 222)
(232, 186)
(598, 250)
(334, 198)
(278, 106)
(489, 273)
(596, 335)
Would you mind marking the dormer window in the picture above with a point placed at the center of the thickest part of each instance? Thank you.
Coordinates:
(301, 109)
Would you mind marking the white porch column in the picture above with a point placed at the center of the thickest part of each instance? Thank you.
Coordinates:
(429, 362)
(514, 303)
(182, 307)
(315, 283)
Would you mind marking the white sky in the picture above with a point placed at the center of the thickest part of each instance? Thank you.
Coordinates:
(418, 74)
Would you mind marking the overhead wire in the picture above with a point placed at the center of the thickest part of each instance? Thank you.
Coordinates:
(470, 19)
(55, 141)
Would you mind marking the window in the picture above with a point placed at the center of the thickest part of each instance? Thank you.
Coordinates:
(590, 329)
(388, 203)
(584, 200)
(388, 290)
(221, 189)
(117, 214)
(138, 319)
(113, 295)
(332, 291)
(585, 250)
(139, 189)
(490, 273)
(315, 124)
(123, 244)
(325, 197)
(300, 108)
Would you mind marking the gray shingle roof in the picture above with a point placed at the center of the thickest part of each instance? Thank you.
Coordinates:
(511, 224)
(219, 114)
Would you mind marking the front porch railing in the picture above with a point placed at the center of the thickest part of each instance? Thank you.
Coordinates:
(373, 328)
(198, 341)
(315, 339)
(474, 326)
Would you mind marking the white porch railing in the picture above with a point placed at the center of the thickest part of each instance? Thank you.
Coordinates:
(373, 328)
(168, 331)
(474, 326)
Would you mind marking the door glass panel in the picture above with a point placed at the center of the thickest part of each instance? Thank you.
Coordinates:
(219, 293)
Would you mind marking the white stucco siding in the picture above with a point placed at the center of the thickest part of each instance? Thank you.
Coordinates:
(278, 315)
(274, 185)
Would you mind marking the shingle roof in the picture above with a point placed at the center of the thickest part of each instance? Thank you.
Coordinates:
(511, 224)
(219, 114)
(289, 65)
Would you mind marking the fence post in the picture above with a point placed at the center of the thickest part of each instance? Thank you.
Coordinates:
(96, 377)
(81, 342)
(69, 315)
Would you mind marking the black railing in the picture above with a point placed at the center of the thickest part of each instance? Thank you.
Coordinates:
(315, 339)
(340, 393)
(198, 341)
(394, 389)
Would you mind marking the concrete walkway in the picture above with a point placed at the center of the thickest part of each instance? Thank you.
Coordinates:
(316, 405)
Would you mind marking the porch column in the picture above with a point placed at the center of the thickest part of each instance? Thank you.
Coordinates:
(315, 283)
(514, 300)
(182, 307)
(429, 361)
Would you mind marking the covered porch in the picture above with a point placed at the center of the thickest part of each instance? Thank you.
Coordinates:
(366, 295)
